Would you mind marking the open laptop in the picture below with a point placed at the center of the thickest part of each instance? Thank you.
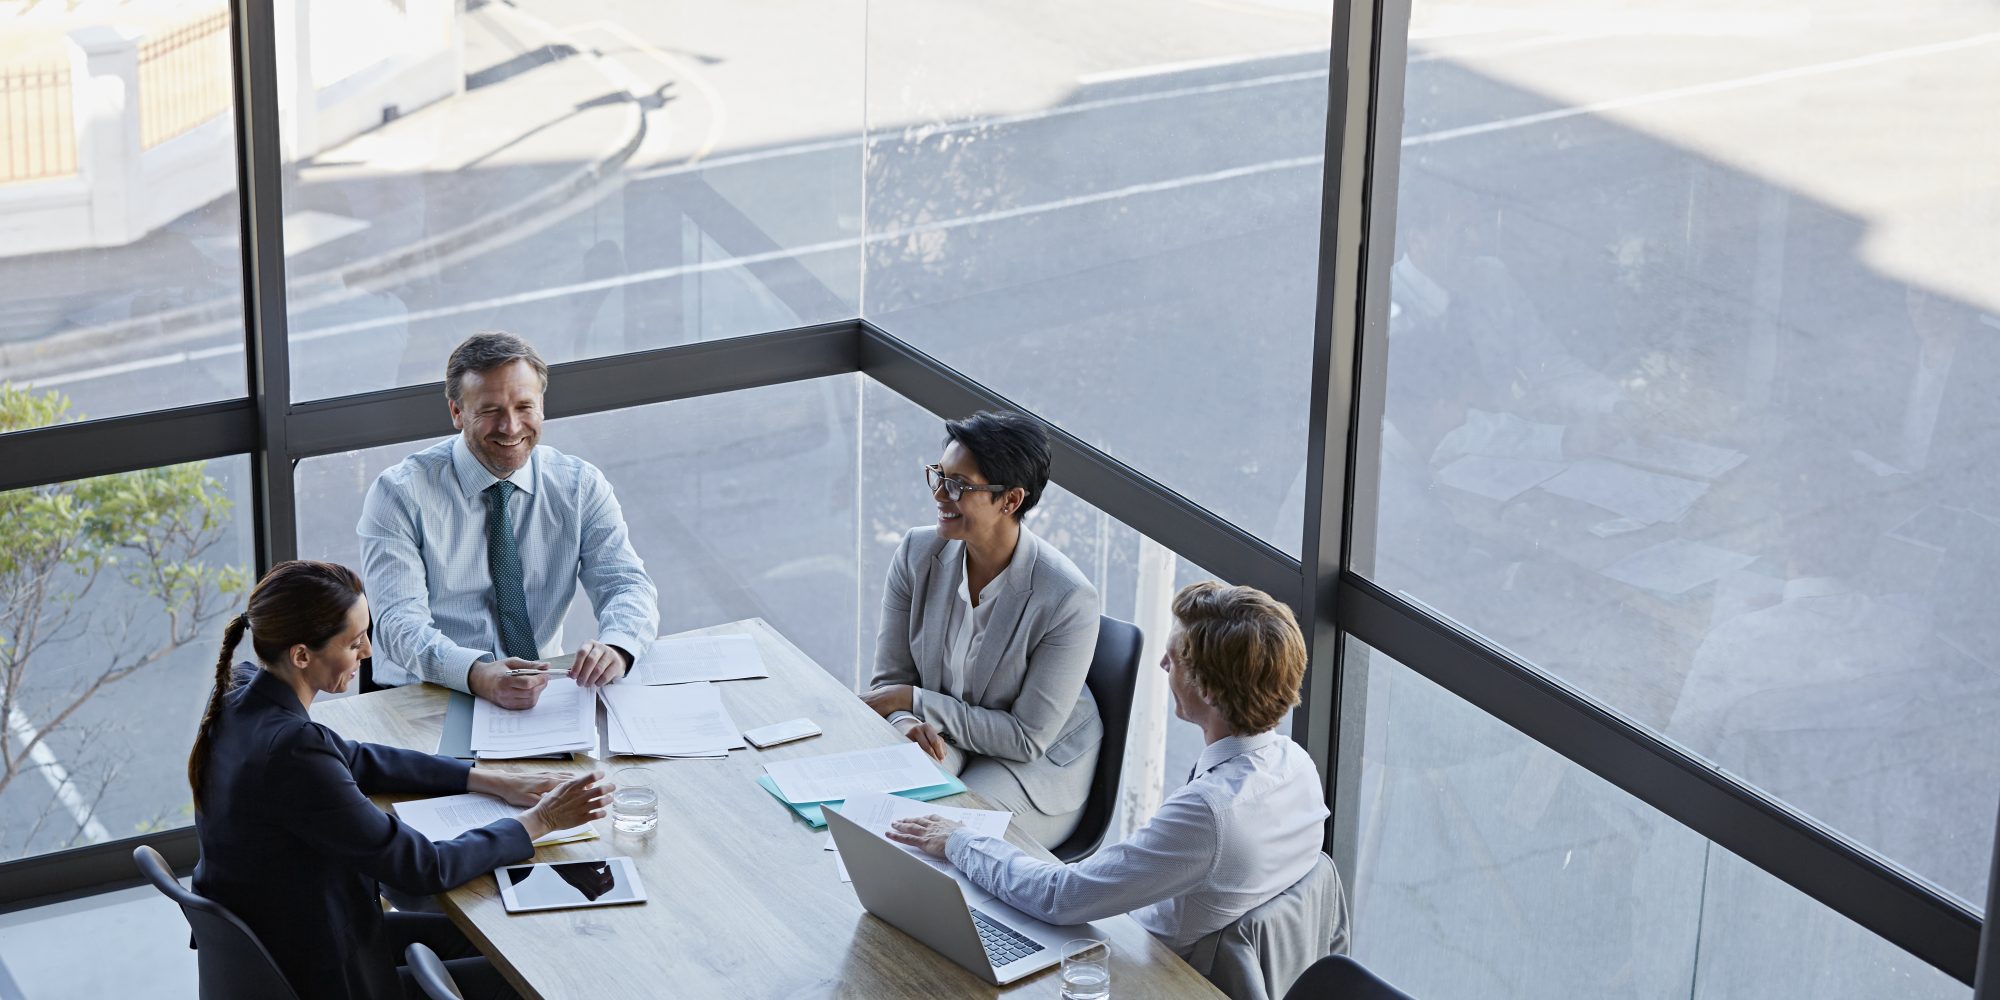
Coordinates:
(958, 919)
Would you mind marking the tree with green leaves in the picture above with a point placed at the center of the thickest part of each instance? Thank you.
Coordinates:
(99, 580)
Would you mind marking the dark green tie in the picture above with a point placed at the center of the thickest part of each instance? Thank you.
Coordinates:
(503, 560)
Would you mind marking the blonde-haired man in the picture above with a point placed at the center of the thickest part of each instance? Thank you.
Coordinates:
(1246, 826)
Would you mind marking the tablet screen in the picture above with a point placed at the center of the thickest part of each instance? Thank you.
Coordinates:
(569, 883)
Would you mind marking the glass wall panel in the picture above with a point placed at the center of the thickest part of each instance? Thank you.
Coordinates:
(1109, 213)
(741, 505)
(113, 593)
(599, 178)
(120, 268)
(1689, 345)
(1492, 868)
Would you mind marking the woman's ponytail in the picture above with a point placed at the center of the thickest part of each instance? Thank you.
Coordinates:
(224, 675)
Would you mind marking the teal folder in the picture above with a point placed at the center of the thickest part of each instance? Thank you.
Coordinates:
(810, 811)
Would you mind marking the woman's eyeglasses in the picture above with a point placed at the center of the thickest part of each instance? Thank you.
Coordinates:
(955, 488)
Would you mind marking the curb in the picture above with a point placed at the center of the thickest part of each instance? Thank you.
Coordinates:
(107, 342)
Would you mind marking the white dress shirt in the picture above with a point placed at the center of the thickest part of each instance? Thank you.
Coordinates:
(424, 560)
(1245, 829)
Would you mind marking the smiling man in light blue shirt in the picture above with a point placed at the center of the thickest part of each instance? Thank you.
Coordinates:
(473, 548)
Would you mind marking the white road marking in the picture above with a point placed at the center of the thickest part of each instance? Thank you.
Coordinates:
(1702, 89)
(58, 778)
(849, 243)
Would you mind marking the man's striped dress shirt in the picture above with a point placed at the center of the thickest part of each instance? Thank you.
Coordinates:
(424, 559)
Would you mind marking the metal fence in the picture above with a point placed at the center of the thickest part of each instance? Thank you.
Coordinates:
(184, 78)
(37, 123)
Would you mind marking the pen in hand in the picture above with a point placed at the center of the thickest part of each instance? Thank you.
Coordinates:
(523, 672)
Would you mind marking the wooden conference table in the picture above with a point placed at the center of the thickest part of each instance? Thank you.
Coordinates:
(742, 901)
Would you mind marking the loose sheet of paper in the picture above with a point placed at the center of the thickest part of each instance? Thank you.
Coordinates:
(682, 720)
(689, 658)
(564, 720)
(448, 816)
(836, 776)
(874, 813)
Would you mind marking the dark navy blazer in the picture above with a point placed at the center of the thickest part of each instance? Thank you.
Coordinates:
(291, 843)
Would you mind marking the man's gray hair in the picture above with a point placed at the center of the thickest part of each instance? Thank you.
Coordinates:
(485, 351)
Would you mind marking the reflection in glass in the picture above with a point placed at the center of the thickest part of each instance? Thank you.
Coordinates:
(120, 265)
(112, 596)
(1490, 867)
(1110, 214)
(597, 184)
(1696, 421)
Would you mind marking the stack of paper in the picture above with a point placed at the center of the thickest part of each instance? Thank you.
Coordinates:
(684, 720)
(563, 721)
(836, 776)
(874, 813)
(691, 658)
(449, 816)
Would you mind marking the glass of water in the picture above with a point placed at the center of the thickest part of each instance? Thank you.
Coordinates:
(635, 803)
(1086, 969)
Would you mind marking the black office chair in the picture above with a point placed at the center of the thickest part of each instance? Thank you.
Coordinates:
(1337, 977)
(1114, 673)
(232, 962)
(430, 973)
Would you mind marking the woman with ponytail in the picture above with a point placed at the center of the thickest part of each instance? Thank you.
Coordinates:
(289, 839)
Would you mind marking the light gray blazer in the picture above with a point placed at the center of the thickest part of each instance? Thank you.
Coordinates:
(1025, 704)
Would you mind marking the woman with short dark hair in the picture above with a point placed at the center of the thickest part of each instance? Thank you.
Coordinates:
(290, 842)
(987, 633)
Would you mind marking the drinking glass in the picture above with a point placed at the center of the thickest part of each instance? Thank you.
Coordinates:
(635, 804)
(1086, 969)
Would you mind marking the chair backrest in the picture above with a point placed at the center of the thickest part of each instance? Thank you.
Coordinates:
(1261, 954)
(1344, 978)
(1114, 675)
(233, 963)
(430, 973)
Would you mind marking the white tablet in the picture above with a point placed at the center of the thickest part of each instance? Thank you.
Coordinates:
(564, 884)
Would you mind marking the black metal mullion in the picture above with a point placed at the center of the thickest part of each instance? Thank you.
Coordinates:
(260, 192)
(410, 413)
(87, 871)
(66, 452)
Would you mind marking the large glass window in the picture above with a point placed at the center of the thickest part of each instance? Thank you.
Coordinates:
(1491, 868)
(1688, 349)
(1110, 214)
(598, 184)
(120, 273)
(740, 504)
(113, 592)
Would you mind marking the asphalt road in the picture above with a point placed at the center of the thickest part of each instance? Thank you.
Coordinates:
(1122, 236)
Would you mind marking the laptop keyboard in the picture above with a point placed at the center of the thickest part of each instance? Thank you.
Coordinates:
(1004, 945)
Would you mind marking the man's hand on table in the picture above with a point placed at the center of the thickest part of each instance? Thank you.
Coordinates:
(516, 788)
(492, 680)
(597, 663)
(925, 833)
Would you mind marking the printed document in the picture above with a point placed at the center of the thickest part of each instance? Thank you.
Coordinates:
(836, 776)
(446, 817)
(689, 658)
(563, 721)
(681, 720)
